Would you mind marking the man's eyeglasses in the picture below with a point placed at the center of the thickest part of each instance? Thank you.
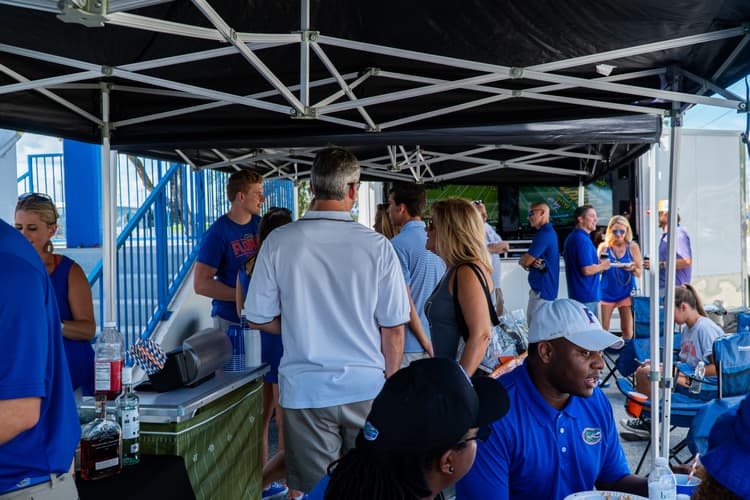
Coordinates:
(531, 212)
(618, 231)
(478, 202)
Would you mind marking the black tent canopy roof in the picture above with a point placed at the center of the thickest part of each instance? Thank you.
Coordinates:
(486, 91)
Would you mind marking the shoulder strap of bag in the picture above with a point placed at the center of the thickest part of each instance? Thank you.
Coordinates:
(457, 307)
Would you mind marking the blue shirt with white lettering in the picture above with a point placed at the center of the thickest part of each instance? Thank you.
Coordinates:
(536, 451)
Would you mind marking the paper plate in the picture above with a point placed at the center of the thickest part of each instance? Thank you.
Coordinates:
(604, 495)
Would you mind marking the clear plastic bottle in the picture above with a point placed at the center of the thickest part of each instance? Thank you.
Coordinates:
(661, 482)
(696, 383)
(128, 416)
(108, 358)
(252, 343)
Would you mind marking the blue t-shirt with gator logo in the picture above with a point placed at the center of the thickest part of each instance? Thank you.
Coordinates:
(226, 246)
(536, 451)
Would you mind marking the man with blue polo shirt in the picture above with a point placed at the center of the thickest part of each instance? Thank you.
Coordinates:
(227, 244)
(39, 427)
(582, 266)
(541, 260)
(422, 269)
(336, 288)
(559, 436)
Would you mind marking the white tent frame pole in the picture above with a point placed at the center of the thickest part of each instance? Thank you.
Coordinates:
(651, 220)
(52, 96)
(340, 93)
(231, 36)
(109, 206)
(217, 104)
(342, 83)
(304, 54)
(47, 82)
(671, 268)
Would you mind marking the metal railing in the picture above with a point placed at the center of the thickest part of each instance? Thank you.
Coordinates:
(45, 174)
(163, 211)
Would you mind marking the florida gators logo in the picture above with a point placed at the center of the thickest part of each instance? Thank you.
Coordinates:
(590, 315)
(591, 436)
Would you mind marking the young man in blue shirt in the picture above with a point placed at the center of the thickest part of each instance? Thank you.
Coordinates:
(559, 436)
(227, 244)
(542, 260)
(582, 265)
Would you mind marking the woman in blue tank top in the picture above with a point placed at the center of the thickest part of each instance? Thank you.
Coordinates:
(618, 281)
(36, 217)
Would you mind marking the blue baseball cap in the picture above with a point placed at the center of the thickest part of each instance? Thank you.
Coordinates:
(728, 453)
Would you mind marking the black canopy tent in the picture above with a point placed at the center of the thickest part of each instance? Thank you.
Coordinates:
(224, 82)
(258, 83)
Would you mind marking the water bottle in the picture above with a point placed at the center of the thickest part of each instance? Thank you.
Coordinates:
(252, 343)
(108, 360)
(661, 482)
(696, 383)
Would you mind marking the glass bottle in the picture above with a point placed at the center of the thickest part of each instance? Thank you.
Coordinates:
(101, 444)
(108, 359)
(128, 416)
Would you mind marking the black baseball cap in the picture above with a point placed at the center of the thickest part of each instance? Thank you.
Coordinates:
(429, 406)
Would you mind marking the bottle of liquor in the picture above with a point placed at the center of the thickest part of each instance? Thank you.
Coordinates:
(101, 444)
(108, 358)
(128, 416)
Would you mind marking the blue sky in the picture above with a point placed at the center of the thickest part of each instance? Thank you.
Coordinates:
(699, 117)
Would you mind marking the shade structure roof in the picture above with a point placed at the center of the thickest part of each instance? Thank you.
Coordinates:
(484, 91)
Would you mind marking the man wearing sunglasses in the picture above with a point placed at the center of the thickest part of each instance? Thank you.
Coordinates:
(542, 260)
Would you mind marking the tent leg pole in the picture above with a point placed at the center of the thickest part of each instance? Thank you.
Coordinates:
(304, 56)
(109, 243)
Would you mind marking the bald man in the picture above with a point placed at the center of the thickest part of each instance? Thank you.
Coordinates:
(542, 260)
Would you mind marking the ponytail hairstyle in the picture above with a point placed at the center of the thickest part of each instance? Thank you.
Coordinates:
(686, 294)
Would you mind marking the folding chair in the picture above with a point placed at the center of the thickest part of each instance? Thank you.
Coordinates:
(732, 358)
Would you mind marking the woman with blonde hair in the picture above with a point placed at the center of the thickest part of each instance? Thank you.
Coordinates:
(459, 305)
(36, 218)
(618, 281)
(383, 222)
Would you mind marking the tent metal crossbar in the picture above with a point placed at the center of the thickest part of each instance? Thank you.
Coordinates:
(312, 40)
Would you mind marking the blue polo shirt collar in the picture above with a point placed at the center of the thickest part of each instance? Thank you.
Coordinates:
(541, 410)
(413, 225)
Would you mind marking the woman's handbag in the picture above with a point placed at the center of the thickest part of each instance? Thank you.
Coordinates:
(508, 339)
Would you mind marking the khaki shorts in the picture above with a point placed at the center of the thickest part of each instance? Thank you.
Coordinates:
(315, 437)
(62, 487)
(410, 357)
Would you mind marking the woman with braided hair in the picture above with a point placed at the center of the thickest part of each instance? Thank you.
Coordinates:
(420, 436)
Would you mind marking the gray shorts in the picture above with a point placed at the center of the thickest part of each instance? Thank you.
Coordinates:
(315, 437)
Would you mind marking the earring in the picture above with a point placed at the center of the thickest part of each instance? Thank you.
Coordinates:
(451, 469)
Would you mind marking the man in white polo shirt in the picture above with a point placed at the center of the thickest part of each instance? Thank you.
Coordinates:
(335, 290)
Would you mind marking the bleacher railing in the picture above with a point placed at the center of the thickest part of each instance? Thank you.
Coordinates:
(163, 210)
